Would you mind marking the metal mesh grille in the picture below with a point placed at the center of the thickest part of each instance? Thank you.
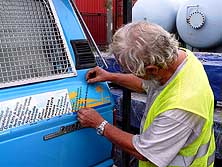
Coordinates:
(31, 46)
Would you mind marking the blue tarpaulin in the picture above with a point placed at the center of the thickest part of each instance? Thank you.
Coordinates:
(213, 66)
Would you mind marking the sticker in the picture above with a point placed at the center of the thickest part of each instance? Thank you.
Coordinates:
(30, 109)
(88, 96)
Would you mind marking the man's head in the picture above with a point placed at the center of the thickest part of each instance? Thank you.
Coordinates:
(142, 47)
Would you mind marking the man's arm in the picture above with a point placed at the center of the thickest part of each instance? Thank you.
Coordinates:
(129, 81)
(123, 140)
(88, 117)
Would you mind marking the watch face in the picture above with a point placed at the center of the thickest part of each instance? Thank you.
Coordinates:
(99, 131)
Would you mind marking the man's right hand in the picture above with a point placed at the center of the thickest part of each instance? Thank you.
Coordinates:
(129, 81)
(97, 74)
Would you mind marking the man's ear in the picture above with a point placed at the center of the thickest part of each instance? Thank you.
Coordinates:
(152, 70)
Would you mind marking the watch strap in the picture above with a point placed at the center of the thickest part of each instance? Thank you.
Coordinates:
(101, 127)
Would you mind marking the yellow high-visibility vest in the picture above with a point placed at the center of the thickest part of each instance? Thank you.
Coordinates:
(190, 91)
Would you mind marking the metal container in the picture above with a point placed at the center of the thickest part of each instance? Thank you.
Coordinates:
(97, 26)
(162, 12)
(199, 23)
(94, 13)
(92, 6)
(118, 13)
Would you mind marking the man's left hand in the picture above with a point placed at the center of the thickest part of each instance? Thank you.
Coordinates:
(88, 117)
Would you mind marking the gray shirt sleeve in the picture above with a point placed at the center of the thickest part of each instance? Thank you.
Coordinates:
(169, 132)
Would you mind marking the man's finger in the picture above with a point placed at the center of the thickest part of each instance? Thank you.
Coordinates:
(80, 111)
(92, 80)
(91, 74)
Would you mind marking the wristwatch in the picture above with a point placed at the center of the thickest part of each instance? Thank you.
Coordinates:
(101, 127)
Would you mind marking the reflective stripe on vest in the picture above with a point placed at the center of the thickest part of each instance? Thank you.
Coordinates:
(184, 161)
(211, 159)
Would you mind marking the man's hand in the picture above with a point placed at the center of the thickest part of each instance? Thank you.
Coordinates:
(89, 117)
(97, 74)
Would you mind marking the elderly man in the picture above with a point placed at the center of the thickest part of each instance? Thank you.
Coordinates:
(176, 129)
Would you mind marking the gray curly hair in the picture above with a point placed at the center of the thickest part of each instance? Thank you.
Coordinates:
(139, 44)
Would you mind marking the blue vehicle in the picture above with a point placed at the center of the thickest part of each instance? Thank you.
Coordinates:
(44, 56)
